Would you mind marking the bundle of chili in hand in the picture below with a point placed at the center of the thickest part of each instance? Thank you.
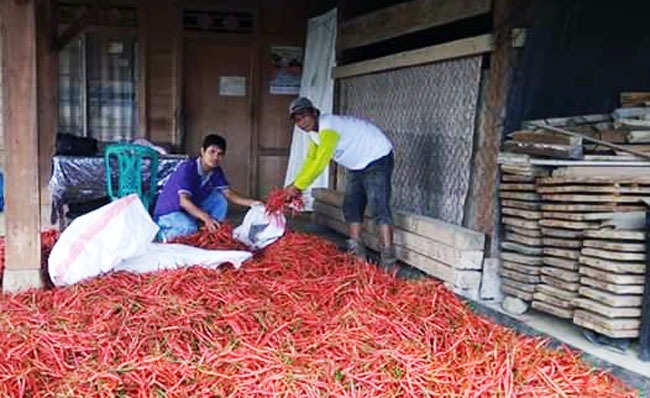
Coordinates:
(279, 201)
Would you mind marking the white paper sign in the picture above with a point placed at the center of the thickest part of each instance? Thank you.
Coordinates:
(233, 86)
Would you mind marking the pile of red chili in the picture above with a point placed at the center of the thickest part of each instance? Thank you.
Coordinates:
(301, 319)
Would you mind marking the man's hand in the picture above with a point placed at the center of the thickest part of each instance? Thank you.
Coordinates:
(256, 203)
(292, 192)
(210, 223)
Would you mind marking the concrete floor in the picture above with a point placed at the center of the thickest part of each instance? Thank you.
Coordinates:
(626, 366)
(571, 334)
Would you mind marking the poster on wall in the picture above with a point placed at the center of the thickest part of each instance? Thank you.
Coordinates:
(286, 69)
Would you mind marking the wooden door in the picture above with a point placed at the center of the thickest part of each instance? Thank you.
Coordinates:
(217, 98)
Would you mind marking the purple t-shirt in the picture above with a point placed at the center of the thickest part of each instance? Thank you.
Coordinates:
(189, 178)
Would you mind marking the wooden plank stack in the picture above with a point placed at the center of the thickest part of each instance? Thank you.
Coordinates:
(590, 215)
(598, 126)
(543, 143)
(633, 118)
(612, 266)
(635, 99)
(572, 207)
(448, 252)
(611, 260)
(521, 248)
(591, 222)
(561, 237)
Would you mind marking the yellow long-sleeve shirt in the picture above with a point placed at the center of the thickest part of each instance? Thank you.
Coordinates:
(318, 157)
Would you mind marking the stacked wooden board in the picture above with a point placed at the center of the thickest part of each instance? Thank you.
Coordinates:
(448, 252)
(627, 127)
(591, 214)
(592, 222)
(521, 247)
(634, 99)
(561, 232)
(612, 264)
(551, 145)
(572, 207)
(610, 214)
(543, 143)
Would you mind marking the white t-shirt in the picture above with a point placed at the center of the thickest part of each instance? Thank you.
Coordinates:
(360, 142)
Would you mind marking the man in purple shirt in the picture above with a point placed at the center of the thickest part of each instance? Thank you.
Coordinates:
(197, 191)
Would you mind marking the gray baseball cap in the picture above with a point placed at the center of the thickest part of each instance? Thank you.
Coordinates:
(300, 104)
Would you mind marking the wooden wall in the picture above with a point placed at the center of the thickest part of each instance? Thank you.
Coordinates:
(378, 34)
(159, 40)
(280, 22)
(160, 119)
(283, 23)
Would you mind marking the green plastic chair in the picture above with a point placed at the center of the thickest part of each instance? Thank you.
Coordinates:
(131, 161)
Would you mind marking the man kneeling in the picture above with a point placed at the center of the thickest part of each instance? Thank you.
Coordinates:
(197, 191)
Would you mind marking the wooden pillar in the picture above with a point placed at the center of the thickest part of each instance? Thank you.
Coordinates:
(22, 193)
(498, 83)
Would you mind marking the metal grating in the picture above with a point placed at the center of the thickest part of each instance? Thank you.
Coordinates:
(429, 114)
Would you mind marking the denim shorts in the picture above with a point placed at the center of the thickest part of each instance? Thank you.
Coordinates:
(370, 186)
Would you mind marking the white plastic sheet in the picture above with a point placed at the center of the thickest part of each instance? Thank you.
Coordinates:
(164, 256)
(316, 84)
(96, 242)
(118, 237)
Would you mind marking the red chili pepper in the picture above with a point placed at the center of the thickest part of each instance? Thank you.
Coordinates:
(300, 319)
(278, 202)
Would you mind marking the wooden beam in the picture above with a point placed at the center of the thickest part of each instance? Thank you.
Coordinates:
(438, 252)
(449, 234)
(541, 149)
(406, 18)
(143, 8)
(48, 91)
(462, 279)
(544, 138)
(594, 140)
(52, 22)
(23, 244)
(440, 52)
(485, 165)
(631, 99)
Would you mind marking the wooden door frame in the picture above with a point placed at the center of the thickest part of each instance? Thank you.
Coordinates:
(252, 40)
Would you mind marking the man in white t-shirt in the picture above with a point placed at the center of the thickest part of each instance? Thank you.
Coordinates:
(365, 151)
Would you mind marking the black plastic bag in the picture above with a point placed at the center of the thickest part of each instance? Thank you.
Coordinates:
(71, 145)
